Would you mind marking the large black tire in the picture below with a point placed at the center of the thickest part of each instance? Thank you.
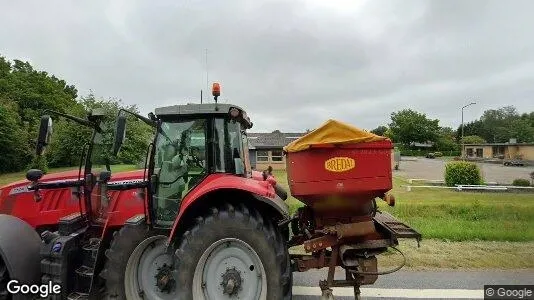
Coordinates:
(19, 254)
(124, 243)
(243, 224)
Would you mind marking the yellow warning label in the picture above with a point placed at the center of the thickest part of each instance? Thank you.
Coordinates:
(339, 164)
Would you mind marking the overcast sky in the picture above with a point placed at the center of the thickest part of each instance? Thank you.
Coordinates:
(291, 64)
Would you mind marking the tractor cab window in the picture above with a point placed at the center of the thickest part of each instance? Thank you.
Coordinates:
(180, 163)
(228, 145)
(246, 158)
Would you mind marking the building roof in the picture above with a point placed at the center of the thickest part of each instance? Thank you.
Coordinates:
(501, 144)
(275, 139)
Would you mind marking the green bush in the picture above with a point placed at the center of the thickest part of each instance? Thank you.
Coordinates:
(39, 162)
(461, 172)
(521, 182)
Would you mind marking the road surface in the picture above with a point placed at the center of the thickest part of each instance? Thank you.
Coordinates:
(443, 284)
(433, 169)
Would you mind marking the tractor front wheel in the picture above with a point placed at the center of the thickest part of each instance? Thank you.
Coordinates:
(4, 279)
(135, 259)
(233, 253)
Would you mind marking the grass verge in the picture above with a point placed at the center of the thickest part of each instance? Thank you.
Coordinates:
(438, 254)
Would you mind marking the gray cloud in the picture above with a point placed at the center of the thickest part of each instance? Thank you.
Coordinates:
(291, 64)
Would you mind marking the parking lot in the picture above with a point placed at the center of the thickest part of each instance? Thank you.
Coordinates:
(433, 169)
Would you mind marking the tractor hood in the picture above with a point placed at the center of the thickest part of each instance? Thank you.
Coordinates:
(73, 175)
(18, 201)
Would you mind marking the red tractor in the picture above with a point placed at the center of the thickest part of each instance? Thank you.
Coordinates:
(202, 225)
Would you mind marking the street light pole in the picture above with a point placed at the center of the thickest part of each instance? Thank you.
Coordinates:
(462, 138)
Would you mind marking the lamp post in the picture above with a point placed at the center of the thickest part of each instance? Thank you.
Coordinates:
(462, 138)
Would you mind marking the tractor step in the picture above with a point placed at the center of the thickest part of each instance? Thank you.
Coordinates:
(399, 229)
(85, 271)
(77, 296)
(90, 251)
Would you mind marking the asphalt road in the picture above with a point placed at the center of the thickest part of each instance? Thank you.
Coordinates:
(433, 169)
(442, 284)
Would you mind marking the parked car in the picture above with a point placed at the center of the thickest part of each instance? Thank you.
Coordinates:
(514, 163)
(430, 155)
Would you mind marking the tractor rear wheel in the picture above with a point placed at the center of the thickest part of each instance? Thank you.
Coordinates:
(233, 253)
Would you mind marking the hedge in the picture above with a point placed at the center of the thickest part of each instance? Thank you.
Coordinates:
(409, 152)
(462, 172)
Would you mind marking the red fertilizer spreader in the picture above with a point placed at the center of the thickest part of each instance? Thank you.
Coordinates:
(338, 171)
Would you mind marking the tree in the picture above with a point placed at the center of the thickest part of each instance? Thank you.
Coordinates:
(138, 134)
(473, 139)
(34, 91)
(500, 125)
(446, 140)
(496, 123)
(25, 94)
(409, 126)
(529, 118)
(380, 130)
(521, 130)
(70, 137)
(13, 138)
(471, 128)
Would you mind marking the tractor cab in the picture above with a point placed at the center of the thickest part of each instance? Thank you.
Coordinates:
(193, 141)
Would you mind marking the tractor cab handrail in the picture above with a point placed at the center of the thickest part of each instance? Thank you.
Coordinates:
(55, 185)
(112, 186)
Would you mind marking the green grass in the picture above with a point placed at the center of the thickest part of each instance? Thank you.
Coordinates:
(457, 216)
(12, 177)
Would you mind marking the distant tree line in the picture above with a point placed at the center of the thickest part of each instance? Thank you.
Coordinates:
(25, 94)
(495, 126)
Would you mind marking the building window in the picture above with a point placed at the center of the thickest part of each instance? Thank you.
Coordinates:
(480, 152)
(276, 155)
(498, 151)
(470, 152)
(262, 155)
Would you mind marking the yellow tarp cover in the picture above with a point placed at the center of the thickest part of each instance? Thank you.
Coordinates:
(332, 132)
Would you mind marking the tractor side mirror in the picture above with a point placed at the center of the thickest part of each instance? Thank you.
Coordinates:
(120, 134)
(45, 134)
(34, 175)
(104, 176)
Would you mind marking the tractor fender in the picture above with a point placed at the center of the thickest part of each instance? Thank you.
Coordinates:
(277, 203)
(19, 249)
(259, 191)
